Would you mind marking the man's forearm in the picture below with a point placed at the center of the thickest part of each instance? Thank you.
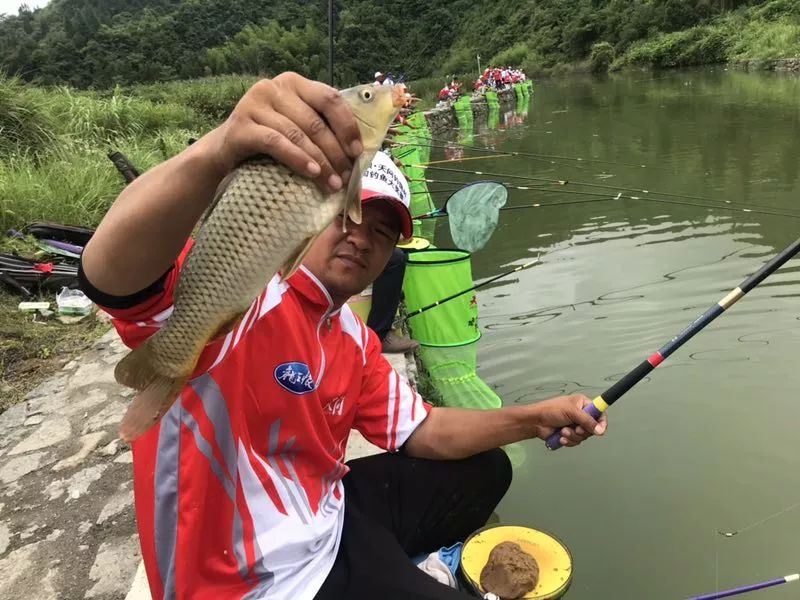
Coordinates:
(148, 224)
(453, 433)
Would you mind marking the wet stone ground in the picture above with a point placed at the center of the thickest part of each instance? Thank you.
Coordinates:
(67, 527)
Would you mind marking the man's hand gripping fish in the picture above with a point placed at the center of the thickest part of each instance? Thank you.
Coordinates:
(264, 219)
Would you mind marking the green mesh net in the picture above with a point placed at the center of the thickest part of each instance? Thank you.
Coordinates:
(452, 373)
(414, 150)
(522, 104)
(493, 117)
(466, 122)
(448, 332)
(473, 212)
(432, 275)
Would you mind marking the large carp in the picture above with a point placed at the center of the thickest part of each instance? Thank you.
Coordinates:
(263, 220)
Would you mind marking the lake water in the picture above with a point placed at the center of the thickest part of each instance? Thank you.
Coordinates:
(711, 439)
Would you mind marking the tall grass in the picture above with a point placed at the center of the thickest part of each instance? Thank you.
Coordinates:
(764, 40)
(54, 145)
(77, 182)
(211, 97)
(103, 120)
(26, 127)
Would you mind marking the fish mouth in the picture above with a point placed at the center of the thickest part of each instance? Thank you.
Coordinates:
(350, 258)
(400, 96)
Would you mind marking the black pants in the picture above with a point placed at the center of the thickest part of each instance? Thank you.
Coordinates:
(386, 292)
(397, 507)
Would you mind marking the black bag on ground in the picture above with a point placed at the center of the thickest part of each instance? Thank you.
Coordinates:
(72, 234)
(29, 277)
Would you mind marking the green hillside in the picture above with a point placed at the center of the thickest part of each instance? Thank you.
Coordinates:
(100, 43)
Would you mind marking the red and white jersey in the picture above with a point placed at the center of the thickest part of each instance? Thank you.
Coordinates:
(239, 487)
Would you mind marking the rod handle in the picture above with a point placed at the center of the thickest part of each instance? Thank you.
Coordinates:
(124, 166)
(554, 441)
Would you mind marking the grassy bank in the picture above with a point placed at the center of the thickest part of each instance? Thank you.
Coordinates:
(55, 141)
(555, 38)
(53, 152)
(766, 32)
(53, 166)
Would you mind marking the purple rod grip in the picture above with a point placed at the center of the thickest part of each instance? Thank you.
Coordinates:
(64, 246)
(554, 441)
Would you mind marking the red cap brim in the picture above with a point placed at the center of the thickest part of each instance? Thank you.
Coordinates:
(406, 227)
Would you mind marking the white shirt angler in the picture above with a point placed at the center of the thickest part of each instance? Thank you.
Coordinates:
(388, 81)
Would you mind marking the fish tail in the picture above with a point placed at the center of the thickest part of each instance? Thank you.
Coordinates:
(148, 406)
(157, 391)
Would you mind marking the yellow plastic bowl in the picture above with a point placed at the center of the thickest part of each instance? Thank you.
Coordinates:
(414, 243)
(553, 557)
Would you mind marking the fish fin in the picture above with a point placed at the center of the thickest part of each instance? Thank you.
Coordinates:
(157, 391)
(148, 406)
(136, 370)
(294, 260)
(352, 199)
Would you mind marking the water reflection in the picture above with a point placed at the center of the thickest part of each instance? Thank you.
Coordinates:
(711, 437)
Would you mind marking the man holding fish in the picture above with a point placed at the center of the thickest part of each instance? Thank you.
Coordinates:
(251, 370)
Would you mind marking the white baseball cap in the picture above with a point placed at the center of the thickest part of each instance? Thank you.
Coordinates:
(384, 181)
(378, 74)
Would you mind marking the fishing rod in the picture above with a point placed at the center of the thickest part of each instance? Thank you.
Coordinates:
(527, 154)
(452, 160)
(601, 197)
(497, 153)
(471, 289)
(124, 166)
(748, 588)
(730, 534)
(440, 212)
(605, 198)
(578, 183)
(601, 403)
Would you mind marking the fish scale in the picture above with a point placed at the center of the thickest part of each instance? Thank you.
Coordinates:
(233, 262)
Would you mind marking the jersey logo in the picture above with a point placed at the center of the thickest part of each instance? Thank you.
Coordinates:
(335, 407)
(295, 377)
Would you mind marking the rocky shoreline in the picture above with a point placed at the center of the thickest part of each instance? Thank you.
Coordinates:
(441, 120)
(784, 65)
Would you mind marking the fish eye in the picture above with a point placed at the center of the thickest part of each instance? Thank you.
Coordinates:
(367, 95)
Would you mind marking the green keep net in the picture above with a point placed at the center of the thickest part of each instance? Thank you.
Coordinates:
(466, 121)
(493, 118)
(452, 373)
(448, 332)
(421, 202)
(432, 275)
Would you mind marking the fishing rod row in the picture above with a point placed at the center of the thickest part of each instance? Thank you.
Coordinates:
(603, 197)
(651, 194)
